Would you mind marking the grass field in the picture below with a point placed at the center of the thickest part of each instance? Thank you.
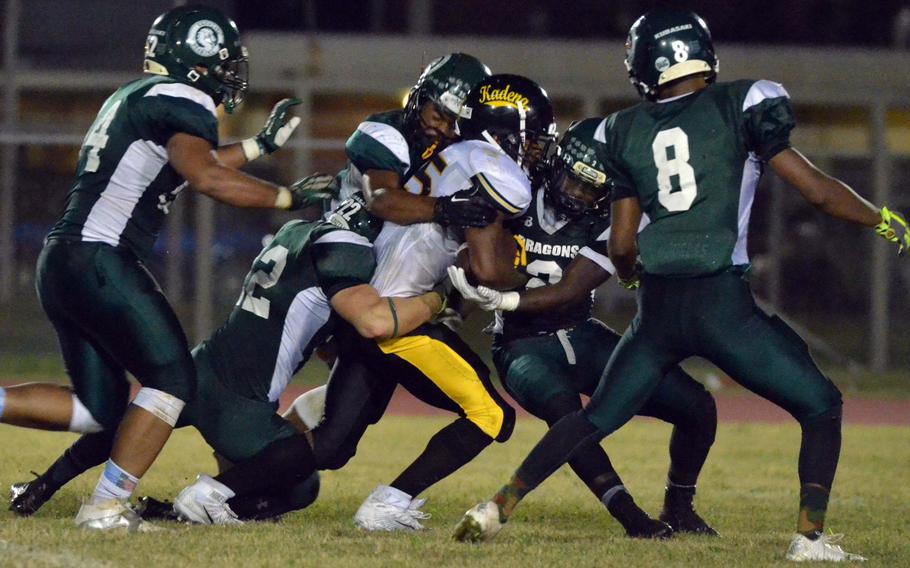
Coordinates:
(748, 492)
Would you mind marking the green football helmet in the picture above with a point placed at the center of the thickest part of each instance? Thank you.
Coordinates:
(577, 183)
(188, 37)
(446, 81)
(352, 214)
(667, 44)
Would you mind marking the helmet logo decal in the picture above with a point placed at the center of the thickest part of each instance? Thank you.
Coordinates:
(502, 97)
(587, 173)
(205, 38)
(661, 64)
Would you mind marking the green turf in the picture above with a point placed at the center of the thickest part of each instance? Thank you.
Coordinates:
(748, 492)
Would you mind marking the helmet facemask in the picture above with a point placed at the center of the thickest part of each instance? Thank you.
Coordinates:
(577, 192)
(233, 78)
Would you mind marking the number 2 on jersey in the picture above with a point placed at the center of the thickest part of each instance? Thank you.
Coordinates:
(271, 264)
(678, 166)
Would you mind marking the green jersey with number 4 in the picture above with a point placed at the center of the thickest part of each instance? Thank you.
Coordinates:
(694, 163)
(124, 183)
(283, 311)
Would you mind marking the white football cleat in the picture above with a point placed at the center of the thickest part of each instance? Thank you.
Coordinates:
(388, 509)
(110, 515)
(205, 502)
(803, 549)
(480, 523)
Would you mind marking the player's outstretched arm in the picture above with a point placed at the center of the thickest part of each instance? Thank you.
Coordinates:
(389, 201)
(194, 159)
(625, 217)
(823, 191)
(377, 317)
(837, 199)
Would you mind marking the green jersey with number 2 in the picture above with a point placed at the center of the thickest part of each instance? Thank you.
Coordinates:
(283, 311)
(694, 163)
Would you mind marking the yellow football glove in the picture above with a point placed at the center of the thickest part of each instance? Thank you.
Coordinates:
(893, 228)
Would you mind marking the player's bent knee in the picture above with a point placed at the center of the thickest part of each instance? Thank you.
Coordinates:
(494, 420)
(162, 405)
(82, 421)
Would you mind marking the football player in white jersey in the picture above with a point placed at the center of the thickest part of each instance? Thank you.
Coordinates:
(507, 122)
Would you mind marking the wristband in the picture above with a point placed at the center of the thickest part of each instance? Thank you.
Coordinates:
(509, 301)
(283, 199)
(251, 149)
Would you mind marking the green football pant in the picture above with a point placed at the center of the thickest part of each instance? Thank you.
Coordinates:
(538, 369)
(111, 317)
(714, 317)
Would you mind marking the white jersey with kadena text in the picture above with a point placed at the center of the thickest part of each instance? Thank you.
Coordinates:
(412, 259)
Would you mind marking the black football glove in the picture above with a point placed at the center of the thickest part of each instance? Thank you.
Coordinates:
(465, 208)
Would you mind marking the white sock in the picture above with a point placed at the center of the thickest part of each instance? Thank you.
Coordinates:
(2, 400)
(115, 483)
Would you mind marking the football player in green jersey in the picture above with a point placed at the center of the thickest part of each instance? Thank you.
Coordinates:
(547, 348)
(306, 272)
(689, 158)
(388, 147)
(109, 313)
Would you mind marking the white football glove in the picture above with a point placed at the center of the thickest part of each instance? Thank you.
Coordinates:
(487, 298)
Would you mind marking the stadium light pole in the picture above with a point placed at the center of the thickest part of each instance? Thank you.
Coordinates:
(8, 157)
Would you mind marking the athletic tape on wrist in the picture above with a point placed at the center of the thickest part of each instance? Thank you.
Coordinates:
(283, 199)
(251, 149)
(509, 301)
(165, 407)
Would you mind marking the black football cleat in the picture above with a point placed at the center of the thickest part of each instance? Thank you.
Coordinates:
(26, 497)
(684, 519)
(652, 528)
(151, 509)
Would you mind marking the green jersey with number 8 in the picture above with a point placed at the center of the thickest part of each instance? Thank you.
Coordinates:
(694, 163)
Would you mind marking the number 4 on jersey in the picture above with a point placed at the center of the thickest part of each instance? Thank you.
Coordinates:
(676, 139)
(97, 138)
